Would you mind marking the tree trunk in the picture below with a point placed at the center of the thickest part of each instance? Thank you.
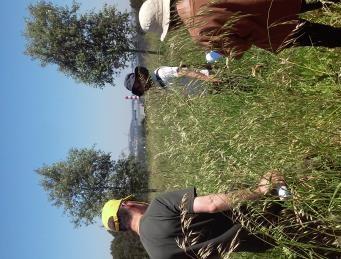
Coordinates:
(144, 51)
(153, 190)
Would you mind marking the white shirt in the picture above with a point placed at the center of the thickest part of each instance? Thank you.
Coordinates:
(169, 74)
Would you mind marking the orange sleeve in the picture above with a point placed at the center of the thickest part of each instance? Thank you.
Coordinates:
(222, 31)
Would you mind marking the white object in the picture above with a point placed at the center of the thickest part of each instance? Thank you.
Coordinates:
(169, 74)
(154, 16)
(132, 97)
(129, 81)
(212, 57)
(283, 192)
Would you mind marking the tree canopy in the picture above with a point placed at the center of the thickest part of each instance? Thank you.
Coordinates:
(136, 4)
(127, 245)
(90, 47)
(87, 179)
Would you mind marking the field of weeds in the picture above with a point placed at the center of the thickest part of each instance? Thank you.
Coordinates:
(272, 112)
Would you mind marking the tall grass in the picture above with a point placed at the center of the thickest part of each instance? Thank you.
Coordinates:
(278, 112)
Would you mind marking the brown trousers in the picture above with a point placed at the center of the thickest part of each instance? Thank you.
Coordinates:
(316, 34)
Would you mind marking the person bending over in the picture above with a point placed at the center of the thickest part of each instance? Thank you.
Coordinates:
(160, 224)
(231, 27)
(141, 80)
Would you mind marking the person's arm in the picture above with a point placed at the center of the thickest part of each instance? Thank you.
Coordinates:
(197, 75)
(213, 203)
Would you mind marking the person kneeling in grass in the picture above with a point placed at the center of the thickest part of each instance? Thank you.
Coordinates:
(164, 77)
(181, 224)
(162, 224)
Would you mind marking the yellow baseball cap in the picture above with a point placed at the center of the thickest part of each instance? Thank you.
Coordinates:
(110, 209)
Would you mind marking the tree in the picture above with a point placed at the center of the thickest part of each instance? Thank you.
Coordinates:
(87, 179)
(136, 4)
(91, 47)
(127, 245)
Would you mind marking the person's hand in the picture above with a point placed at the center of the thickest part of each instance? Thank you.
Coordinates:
(269, 181)
(215, 80)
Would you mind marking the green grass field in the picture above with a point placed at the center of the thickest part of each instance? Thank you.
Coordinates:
(271, 112)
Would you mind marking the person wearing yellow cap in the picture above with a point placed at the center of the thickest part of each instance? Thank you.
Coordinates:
(123, 214)
(160, 224)
(231, 27)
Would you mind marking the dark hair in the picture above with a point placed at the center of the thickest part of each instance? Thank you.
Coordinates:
(137, 92)
(144, 73)
(142, 70)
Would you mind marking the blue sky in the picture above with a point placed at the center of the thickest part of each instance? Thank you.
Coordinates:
(44, 114)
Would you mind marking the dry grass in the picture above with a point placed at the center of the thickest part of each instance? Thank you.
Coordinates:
(272, 112)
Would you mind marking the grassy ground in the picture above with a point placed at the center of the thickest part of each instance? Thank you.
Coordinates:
(272, 112)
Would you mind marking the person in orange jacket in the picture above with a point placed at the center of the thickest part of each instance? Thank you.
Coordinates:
(231, 27)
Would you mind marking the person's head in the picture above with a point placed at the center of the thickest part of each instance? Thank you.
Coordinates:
(117, 215)
(139, 81)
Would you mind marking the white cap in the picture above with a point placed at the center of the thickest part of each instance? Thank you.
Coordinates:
(154, 16)
(129, 81)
